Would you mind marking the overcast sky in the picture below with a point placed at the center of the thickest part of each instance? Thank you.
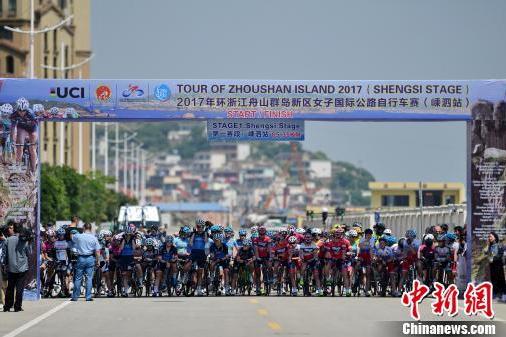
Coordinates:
(331, 39)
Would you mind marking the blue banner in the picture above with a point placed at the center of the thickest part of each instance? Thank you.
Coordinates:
(88, 100)
(255, 130)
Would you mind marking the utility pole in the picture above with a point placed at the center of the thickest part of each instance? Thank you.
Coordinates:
(116, 159)
(32, 32)
(125, 158)
(106, 159)
(420, 198)
(143, 177)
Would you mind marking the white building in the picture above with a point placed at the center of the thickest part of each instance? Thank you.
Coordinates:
(207, 161)
(320, 169)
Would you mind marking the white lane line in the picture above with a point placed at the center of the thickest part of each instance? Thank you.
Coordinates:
(36, 320)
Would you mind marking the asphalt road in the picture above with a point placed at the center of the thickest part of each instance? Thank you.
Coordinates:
(214, 316)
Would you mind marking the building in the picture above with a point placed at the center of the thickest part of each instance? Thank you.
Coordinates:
(406, 194)
(233, 151)
(319, 169)
(71, 41)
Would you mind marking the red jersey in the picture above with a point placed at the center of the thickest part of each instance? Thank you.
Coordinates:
(280, 250)
(262, 245)
(338, 249)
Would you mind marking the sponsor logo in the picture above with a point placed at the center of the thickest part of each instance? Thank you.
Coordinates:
(63, 92)
(103, 93)
(162, 92)
(133, 91)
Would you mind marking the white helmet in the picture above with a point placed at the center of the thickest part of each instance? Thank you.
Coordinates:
(71, 112)
(54, 111)
(353, 233)
(254, 229)
(387, 231)
(37, 108)
(316, 231)
(300, 231)
(429, 237)
(22, 104)
(6, 109)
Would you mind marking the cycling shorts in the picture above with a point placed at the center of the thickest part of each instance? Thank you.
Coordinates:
(341, 264)
(199, 257)
(408, 262)
(225, 264)
(311, 264)
(126, 262)
(365, 259)
(261, 261)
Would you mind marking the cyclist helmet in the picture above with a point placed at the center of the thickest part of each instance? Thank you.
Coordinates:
(254, 229)
(357, 224)
(353, 233)
(383, 238)
(262, 230)
(368, 231)
(387, 231)
(283, 232)
(242, 232)
(50, 233)
(150, 242)
(22, 104)
(291, 229)
(54, 111)
(410, 234)
(107, 232)
(200, 222)
(380, 226)
(229, 230)
(316, 231)
(340, 230)
(71, 112)
(215, 229)
(186, 230)
(358, 230)
(451, 237)
(308, 237)
(169, 239)
(247, 243)
(391, 240)
(37, 108)
(6, 109)
(131, 229)
(219, 237)
(292, 240)
(60, 231)
(101, 236)
(300, 231)
(428, 237)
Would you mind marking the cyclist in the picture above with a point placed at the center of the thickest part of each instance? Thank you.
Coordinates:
(409, 254)
(365, 250)
(263, 254)
(183, 246)
(338, 249)
(242, 236)
(38, 110)
(62, 250)
(426, 255)
(385, 264)
(127, 246)
(103, 263)
(280, 255)
(379, 229)
(24, 127)
(220, 258)
(443, 257)
(243, 259)
(168, 255)
(152, 268)
(293, 259)
(5, 131)
(308, 253)
(198, 241)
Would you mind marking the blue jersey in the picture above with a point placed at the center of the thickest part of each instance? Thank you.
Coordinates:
(219, 252)
(182, 245)
(169, 254)
(231, 243)
(128, 249)
(199, 241)
(239, 243)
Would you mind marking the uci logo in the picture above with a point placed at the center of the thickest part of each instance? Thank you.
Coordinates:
(74, 92)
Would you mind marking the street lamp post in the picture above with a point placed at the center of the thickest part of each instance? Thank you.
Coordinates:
(32, 32)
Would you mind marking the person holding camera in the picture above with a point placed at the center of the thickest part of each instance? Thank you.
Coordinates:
(16, 251)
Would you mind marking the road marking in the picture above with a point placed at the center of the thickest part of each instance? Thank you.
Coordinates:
(274, 326)
(254, 301)
(36, 320)
(262, 312)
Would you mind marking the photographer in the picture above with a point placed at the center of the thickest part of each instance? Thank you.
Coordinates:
(3, 284)
(17, 249)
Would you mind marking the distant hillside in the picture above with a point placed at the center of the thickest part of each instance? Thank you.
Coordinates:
(348, 181)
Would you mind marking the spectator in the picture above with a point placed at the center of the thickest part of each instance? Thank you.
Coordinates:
(17, 249)
(2, 251)
(9, 229)
(495, 252)
(87, 249)
(74, 221)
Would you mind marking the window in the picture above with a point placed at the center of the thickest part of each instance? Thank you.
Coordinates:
(66, 61)
(9, 64)
(46, 47)
(55, 40)
(395, 200)
(12, 7)
(54, 151)
(430, 198)
(45, 69)
(5, 34)
(1, 8)
(55, 74)
(63, 4)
